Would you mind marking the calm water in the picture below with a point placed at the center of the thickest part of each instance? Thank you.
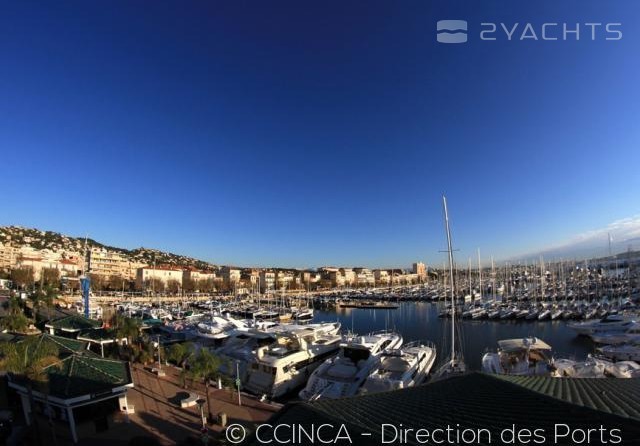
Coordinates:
(419, 320)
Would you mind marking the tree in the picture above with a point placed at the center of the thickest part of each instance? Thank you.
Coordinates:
(154, 284)
(30, 360)
(15, 320)
(22, 277)
(206, 285)
(125, 327)
(116, 283)
(180, 353)
(98, 282)
(206, 366)
(43, 299)
(173, 286)
(188, 285)
(50, 277)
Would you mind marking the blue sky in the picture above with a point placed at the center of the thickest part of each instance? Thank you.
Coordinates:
(307, 133)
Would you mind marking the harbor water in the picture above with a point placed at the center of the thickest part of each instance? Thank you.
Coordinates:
(420, 321)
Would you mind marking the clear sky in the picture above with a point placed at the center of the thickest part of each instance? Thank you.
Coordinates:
(300, 133)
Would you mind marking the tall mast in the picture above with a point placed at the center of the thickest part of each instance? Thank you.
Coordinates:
(453, 299)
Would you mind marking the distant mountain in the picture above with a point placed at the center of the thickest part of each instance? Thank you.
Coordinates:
(618, 237)
(54, 241)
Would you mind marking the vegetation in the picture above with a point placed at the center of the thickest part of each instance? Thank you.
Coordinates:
(50, 277)
(206, 366)
(29, 360)
(125, 327)
(15, 320)
(180, 353)
(37, 239)
(22, 277)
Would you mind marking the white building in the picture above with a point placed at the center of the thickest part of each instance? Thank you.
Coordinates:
(165, 274)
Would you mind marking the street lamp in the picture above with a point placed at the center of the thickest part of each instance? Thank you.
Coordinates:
(200, 402)
(158, 345)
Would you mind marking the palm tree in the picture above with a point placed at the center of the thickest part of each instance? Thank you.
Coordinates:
(15, 319)
(29, 360)
(205, 366)
(180, 353)
(126, 327)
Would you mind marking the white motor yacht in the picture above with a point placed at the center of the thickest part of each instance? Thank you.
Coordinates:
(624, 352)
(567, 368)
(344, 375)
(608, 324)
(286, 364)
(630, 335)
(405, 367)
(621, 369)
(528, 356)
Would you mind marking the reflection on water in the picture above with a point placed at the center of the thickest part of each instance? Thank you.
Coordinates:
(419, 320)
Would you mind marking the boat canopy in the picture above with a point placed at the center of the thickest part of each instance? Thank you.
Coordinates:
(512, 345)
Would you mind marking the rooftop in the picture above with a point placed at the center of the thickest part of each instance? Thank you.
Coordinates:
(73, 322)
(480, 401)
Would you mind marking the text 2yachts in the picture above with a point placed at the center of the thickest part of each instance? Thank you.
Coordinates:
(550, 31)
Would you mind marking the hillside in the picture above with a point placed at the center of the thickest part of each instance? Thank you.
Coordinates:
(54, 241)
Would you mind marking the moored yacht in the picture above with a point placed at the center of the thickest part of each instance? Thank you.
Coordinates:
(630, 335)
(405, 367)
(286, 364)
(625, 352)
(345, 374)
(454, 364)
(568, 368)
(608, 324)
(528, 356)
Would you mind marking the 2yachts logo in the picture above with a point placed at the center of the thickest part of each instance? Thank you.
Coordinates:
(456, 31)
(452, 31)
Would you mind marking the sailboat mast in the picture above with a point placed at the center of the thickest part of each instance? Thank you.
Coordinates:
(453, 299)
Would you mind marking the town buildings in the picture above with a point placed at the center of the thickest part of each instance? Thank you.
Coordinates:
(147, 277)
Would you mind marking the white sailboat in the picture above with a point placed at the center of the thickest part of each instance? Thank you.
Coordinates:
(455, 364)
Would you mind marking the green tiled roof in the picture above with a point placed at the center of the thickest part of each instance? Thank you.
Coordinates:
(475, 401)
(65, 345)
(73, 323)
(79, 375)
(616, 396)
(97, 334)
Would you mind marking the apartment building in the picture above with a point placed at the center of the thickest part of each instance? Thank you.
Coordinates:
(364, 277)
(420, 269)
(381, 276)
(286, 279)
(349, 276)
(165, 274)
(267, 280)
(196, 275)
(8, 256)
(106, 263)
(231, 274)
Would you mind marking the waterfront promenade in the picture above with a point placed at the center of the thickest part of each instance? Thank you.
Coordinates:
(158, 413)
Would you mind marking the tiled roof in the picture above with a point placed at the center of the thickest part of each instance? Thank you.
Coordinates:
(616, 396)
(479, 401)
(79, 375)
(65, 345)
(97, 334)
(73, 323)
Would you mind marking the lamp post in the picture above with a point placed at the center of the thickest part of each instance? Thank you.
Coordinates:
(238, 382)
(157, 345)
(200, 402)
